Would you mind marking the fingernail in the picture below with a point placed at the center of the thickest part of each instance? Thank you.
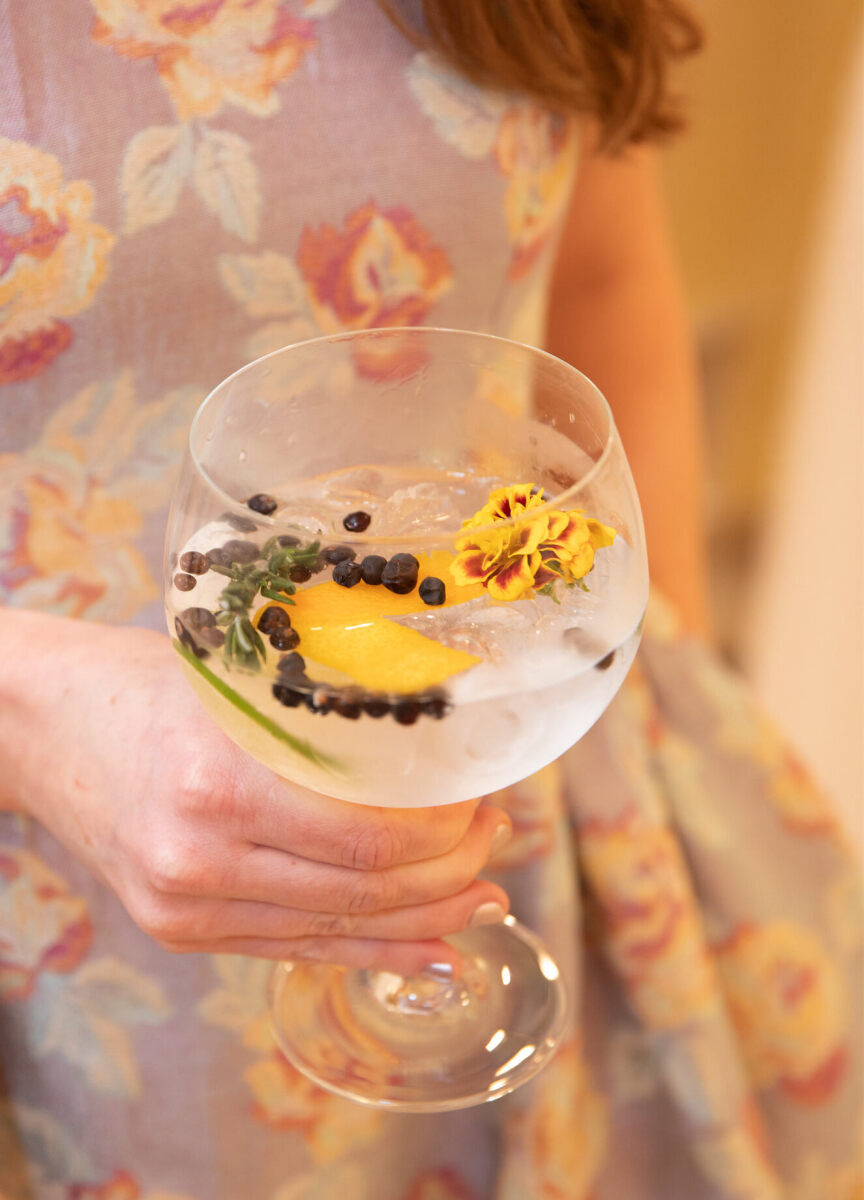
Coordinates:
(440, 972)
(500, 838)
(488, 914)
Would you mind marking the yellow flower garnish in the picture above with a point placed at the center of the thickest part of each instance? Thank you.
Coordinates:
(528, 554)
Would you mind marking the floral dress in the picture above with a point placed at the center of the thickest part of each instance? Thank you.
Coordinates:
(187, 184)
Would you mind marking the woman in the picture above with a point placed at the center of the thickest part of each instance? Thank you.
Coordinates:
(185, 186)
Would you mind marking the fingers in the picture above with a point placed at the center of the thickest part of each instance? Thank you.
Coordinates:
(204, 924)
(402, 958)
(265, 901)
(268, 876)
(360, 836)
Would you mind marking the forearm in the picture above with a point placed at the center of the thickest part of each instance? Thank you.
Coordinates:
(25, 728)
(61, 679)
(617, 313)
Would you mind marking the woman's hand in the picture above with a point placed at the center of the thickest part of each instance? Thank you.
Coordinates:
(109, 748)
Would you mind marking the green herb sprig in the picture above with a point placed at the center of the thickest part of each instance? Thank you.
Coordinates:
(548, 589)
(244, 647)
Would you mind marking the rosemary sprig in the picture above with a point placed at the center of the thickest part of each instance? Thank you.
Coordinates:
(268, 575)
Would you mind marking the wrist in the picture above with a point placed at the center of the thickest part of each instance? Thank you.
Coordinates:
(42, 694)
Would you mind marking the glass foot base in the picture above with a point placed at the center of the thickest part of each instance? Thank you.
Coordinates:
(422, 1045)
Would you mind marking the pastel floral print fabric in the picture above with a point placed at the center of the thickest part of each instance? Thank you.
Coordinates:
(187, 184)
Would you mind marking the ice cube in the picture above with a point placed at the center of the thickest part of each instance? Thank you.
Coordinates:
(356, 487)
(307, 519)
(494, 632)
(423, 508)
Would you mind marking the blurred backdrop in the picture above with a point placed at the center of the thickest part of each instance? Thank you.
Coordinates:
(768, 208)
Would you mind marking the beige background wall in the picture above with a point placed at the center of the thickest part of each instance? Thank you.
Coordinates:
(818, 499)
(766, 204)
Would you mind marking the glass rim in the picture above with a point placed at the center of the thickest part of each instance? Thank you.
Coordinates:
(277, 524)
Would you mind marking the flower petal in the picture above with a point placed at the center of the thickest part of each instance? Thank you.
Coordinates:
(578, 565)
(531, 550)
(545, 574)
(515, 579)
(601, 535)
(531, 534)
(469, 567)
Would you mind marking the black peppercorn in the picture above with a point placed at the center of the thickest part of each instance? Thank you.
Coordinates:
(337, 554)
(320, 700)
(197, 618)
(372, 567)
(184, 583)
(241, 552)
(299, 574)
(288, 696)
(400, 574)
(432, 591)
(406, 711)
(194, 563)
(376, 706)
(434, 704)
(292, 665)
(347, 574)
(241, 524)
(348, 703)
(212, 636)
(262, 503)
(356, 522)
(284, 638)
(184, 637)
(272, 618)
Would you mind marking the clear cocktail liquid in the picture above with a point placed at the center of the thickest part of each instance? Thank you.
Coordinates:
(546, 668)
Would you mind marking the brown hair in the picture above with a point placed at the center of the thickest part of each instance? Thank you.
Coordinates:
(604, 58)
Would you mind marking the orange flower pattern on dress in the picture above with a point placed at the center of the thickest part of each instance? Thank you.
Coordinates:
(209, 53)
(737, 1154)
(381, 269)
(52, 258)
(444, 1184)
(786, 1000)
(648, 921)
(802, 806)
(746, 732)
(284, 1099)
(559, 1145)
(535, 149)
(73, 504)
(43, 926)
(531, 552)
(121, 1186)
(534, 806)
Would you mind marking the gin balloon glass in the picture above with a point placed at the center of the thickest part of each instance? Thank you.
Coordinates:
(407, 567)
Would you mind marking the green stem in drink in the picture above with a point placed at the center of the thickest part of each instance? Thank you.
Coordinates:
(298, 745)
